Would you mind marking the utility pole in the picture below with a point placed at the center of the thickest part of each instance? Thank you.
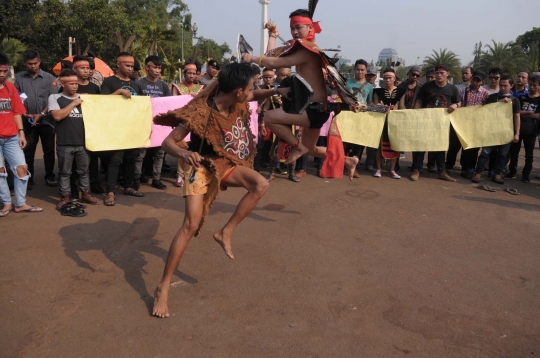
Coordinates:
(71, 41)
(264, 33)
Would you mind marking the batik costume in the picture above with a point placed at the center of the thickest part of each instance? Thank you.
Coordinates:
(227, 143)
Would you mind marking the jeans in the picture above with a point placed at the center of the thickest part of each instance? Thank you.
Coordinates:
(431, 159)
(157, 154)
(500, 160)
(528, 142)
(418, 160)
(67, 154)
(453, 149)
(321, 142)
(113, 167)
(301, 163)
(371, 154)
(11, 152)
(33, 135)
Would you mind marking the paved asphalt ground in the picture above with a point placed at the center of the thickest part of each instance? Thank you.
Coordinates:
(324, 268)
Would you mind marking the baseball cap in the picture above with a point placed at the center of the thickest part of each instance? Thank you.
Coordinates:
(415, 68)
(443, 66)
(479, 74)
(372, 71)
(213, 63)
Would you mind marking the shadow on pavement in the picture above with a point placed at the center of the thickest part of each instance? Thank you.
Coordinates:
(122, 243)
(505, 203)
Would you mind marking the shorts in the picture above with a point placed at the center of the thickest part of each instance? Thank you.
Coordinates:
(203, 179)
(317, 118)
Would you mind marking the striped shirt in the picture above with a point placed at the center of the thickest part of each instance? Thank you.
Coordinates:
(474, 98)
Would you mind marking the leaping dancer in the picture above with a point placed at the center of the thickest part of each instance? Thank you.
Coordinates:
(220, 155)
(310, 61)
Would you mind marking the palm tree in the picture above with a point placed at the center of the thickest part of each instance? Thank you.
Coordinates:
(446, 57)
(509, 57)
(13, 49)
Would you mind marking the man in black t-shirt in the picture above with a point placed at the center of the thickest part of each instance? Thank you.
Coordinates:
(121, 84)
(529, 116)
(436, 94)
(504, 95)
(151, 86)
(65, 108)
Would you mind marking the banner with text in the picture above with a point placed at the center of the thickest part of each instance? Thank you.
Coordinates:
(364, 128)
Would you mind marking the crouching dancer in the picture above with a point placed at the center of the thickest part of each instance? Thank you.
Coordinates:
(220, 155)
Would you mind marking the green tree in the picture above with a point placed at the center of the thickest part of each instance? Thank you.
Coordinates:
(14, 49)
(14, 16)
(477, 53)
(210, 48)
(346, 70)
(446, 57)
(530, 43)
(507, 56)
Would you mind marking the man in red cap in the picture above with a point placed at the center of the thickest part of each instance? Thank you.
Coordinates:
(303, 53)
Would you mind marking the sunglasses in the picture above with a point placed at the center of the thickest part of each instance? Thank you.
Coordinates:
(415, 74)
(494, 78)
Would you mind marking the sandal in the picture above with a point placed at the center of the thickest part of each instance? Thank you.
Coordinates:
(294, 178)
(32, 209)
(109, 200)
(133, 192)
(4, 213)
(486, 188)
(511, 191)
(71, 209)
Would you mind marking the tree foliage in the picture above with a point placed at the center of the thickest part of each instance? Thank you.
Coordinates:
(446, 57)
(14, 49)
(507, 56)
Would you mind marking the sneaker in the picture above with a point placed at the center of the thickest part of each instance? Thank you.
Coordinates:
(392, 174)
(371, 168)
(415, 175)
(179, 182)
(497, 178)
(158, 185)
(476, 178)
(51, 181)
(510, 175)
(525, 178)
(446, 177)
(377, 174)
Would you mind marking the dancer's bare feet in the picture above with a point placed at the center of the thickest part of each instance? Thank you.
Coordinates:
(296, 153)
(225, 241)
(350, 164)
(161, 309)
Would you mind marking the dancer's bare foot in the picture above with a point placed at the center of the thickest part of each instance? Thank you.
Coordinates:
(296, 153)
(350, 164)
(161, 309)
(225, 241)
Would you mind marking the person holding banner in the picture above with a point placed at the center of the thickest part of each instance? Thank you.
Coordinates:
(436, 94)
(505, 84)
(121, 84)
(219, 155)
(187, 87)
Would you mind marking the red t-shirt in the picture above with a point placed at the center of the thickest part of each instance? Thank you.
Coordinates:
(10, 105)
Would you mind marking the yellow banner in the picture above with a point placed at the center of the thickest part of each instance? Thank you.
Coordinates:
(419, 130)
(363, 128)
(484, 126)
(114, 122)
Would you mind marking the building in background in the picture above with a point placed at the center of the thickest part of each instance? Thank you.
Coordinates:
(391, 55)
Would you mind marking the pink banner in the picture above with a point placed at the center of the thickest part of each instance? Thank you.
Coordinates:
(164, 104)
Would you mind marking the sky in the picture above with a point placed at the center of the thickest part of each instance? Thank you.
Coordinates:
(414, 28)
